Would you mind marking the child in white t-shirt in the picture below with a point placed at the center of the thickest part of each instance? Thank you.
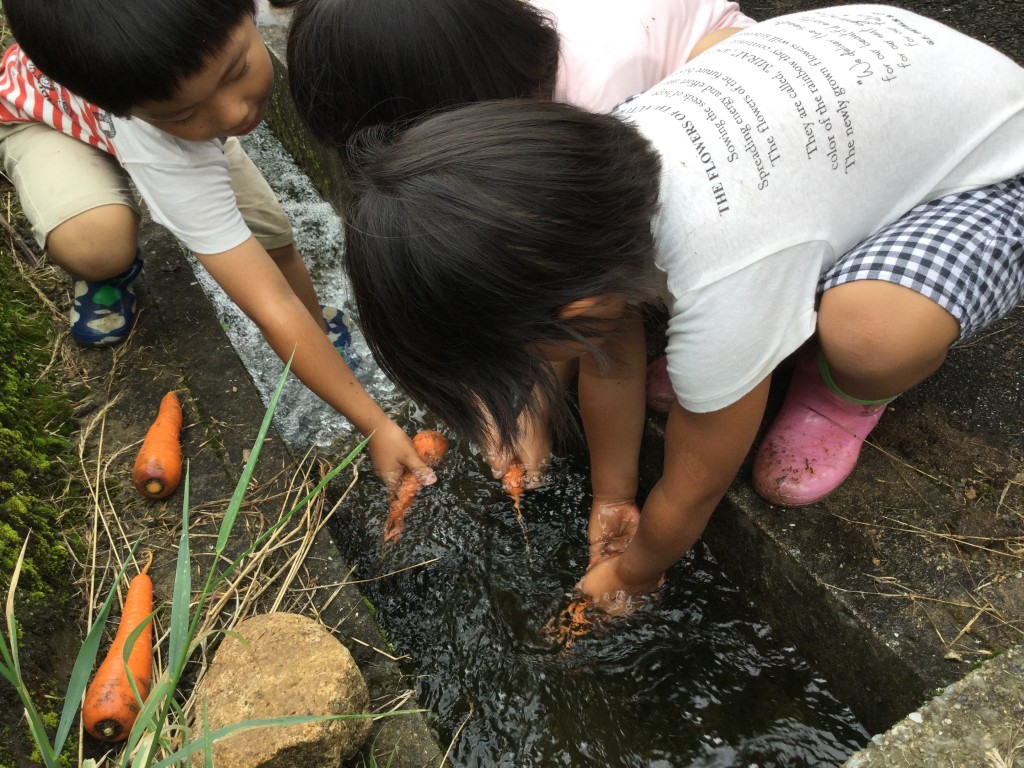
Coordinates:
(94, 94)
(354, 63)
(846, 181)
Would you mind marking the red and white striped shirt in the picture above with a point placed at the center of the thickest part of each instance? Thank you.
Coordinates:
(186, 184)
(29, 96)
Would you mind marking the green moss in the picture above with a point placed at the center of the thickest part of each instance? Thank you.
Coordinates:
(35, 422)
(35, 455)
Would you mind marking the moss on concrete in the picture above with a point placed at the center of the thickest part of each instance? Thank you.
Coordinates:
(35, 453)
(35, 422)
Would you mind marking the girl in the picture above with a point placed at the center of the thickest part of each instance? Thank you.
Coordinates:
(355, 63)
(848, 175)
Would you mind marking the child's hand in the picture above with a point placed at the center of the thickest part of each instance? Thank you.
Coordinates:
(392, 452)
(534, 453)
(610, 592)
(612, 526)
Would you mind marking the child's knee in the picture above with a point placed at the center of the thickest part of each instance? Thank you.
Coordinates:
(880, 328)
(96, 244)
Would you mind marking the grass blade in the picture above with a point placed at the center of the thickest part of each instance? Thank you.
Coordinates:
(206, 741)
(228, 523)
(12, 627)
(182, 594)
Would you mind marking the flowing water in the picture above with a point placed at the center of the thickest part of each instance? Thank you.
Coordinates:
(693, 678)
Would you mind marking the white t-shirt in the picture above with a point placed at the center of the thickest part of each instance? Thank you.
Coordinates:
(613, 49)
(786, 145)
(185, 184)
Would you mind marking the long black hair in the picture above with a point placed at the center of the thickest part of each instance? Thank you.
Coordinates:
(468, 235)
(118, 54)
(356, 63)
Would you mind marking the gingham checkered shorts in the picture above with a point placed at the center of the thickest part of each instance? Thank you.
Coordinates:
(965, 252)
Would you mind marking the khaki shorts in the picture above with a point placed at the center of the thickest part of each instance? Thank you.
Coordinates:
(58, 177)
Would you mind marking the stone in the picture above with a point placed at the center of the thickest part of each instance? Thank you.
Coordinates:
(279, 665)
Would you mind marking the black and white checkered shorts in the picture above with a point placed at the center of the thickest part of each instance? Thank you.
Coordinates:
(964, 251)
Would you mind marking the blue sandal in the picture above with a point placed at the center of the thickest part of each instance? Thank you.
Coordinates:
(339, 331)
(103, 312)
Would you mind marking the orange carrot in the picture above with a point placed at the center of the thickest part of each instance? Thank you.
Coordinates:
(572, 622)
(514, 482)
(430, 447)
(110, 707)
(157, 469)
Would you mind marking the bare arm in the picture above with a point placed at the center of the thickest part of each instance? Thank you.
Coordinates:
(255, 283)
(703, 452)
(612, 406)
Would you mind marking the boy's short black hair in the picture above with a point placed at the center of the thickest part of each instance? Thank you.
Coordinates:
(121, 53)
(356, 63)
(467, 235)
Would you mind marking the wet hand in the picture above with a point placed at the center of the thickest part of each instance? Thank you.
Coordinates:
(612, 526)
(610, 592)
(392, 452)
(534, 452)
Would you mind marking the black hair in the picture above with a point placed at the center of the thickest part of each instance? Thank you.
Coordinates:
(356, 63)
(468, 234)
(121, 53)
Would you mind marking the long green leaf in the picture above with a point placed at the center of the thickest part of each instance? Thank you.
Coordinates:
(12, 627)
(207, 739)
(228, 523)
(181, 599)
(35, 723)
(146, 721)
(5, 671)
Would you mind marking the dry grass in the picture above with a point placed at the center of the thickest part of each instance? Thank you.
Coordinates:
(278, 576)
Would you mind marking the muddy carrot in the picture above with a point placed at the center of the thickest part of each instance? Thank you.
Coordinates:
(110, 706)
(430, 447)
(157, 469)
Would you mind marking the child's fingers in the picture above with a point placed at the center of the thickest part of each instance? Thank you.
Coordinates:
(425, 475)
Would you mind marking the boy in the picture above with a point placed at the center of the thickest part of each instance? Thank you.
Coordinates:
(163, 89)
(850, 174)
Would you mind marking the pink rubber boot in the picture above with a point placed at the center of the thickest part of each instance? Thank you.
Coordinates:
(815, 441)
(659, 386)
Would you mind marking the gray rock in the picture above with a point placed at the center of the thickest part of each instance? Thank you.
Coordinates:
(278, 665)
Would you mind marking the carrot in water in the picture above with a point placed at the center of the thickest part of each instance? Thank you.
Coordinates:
(430, 447)
(514, 483)
(110, 707)
(157, 469)
(572, 622)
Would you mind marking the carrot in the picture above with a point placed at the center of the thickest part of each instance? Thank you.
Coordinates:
(514, 482)
(430, 447)
(157, 469)
(572, 622)
(110, 706)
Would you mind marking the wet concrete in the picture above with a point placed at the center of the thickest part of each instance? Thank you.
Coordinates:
(910, 577)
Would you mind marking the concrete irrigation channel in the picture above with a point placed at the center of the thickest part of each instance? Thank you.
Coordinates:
(905, 589)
